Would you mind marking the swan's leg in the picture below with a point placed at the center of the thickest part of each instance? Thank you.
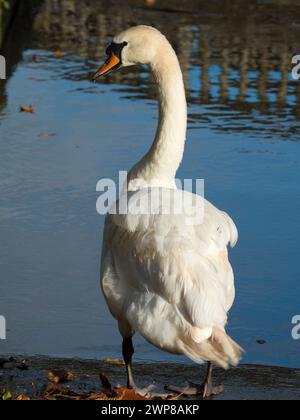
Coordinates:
(206, 390)
(207, 387)
(128, 352)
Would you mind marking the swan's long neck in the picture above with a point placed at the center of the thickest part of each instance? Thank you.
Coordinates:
(160, 164)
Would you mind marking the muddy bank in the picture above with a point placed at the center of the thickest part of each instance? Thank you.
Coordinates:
(243, 383)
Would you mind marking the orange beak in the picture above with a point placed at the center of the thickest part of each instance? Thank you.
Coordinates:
(112, 63)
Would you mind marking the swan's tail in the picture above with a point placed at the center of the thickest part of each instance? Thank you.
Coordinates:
(219, 349)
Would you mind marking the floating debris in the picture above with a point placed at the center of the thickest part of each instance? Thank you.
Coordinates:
(261, 342)
(46, 136)
(58, 54)
(29, 109)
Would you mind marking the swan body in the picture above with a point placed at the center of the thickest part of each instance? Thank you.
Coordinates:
(162, 276)
(170, 280)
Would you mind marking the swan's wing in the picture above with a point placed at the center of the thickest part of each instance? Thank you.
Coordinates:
(180, 257)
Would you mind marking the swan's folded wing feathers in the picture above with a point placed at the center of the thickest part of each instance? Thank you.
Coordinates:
(179, 262)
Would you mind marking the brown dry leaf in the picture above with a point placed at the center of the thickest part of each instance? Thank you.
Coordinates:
(59, 376)
(96, 396)
(123, 394)
(53, 391)
(58, 54)
(175, 397)
(29, 109)
(22, 398)
(150, 2)
(49, 391)
(126, 394)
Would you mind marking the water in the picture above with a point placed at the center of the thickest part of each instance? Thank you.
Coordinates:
(242, 139)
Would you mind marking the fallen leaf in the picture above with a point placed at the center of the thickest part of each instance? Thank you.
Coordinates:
(55, 392)
(59, 376)
(114, 362)
(110, 393)
(6, 396)
(22, 398)
(49, 390)
(126, 394)
(29, 109)
(58, 54)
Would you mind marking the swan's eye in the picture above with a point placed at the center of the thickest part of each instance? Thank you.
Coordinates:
(116, 48)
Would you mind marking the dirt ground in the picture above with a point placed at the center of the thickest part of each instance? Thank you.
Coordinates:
(37, 377)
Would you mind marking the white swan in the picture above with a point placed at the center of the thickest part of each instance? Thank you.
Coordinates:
(167, 279)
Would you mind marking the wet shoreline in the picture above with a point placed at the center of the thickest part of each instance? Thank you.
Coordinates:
(247, 382)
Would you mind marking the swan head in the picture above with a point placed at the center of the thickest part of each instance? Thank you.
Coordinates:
(137, 45)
